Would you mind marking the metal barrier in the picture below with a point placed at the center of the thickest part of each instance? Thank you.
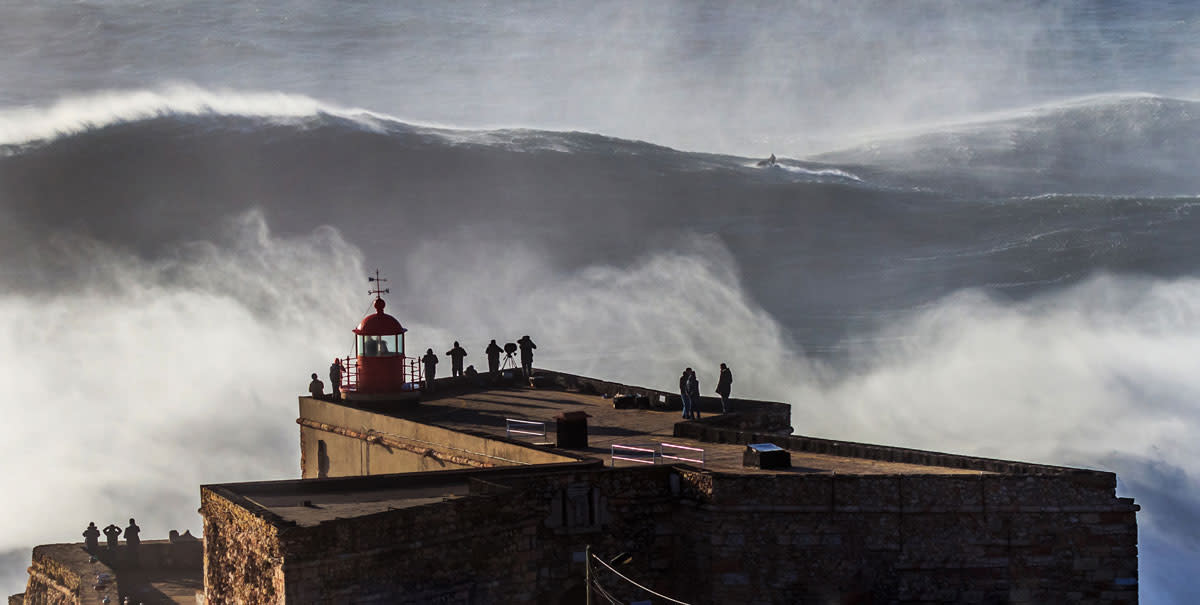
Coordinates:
(523, 427)
(628, 454)
(681, 449)
(664, 451)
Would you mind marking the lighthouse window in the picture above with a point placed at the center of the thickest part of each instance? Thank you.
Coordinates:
(380, 346)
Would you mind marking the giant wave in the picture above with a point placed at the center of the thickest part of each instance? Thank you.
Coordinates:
(951, 290)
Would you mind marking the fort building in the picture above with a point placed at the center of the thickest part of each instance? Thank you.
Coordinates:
(505, 488)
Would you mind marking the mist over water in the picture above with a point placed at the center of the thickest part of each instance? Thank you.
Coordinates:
(980, 238)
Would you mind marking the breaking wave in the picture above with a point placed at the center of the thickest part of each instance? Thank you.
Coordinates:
(955, 290)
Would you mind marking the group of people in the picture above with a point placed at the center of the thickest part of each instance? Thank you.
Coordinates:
(91, 538)
(457, 354)
(316, 388)
(689, 391)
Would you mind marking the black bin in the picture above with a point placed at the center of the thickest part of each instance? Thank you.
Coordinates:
(766, 455)
(572, 430)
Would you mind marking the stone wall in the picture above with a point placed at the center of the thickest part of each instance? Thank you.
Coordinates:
(760, 416)
(241, 551)
(62, 574)
(68, 573)
(709, 537)
(719, 430)
(931, 538)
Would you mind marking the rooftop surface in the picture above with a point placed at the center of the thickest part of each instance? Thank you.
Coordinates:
(485, 411)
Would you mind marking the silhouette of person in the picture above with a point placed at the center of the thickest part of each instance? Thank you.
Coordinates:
(111, 533)
(133, 540)
(370, 346)
(724, 382)
(527, 348)
(383, 350)
(694, 392)
(335, 376)
(685, 394)
(493, 352)
(456, 359)
(316, 388)
(430, 360)
(91, 538)
(471, 373)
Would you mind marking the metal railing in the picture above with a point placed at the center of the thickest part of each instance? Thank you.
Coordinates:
(657, 454)
(681, 450)
(412, 369)
(516, 426)
(629, 453)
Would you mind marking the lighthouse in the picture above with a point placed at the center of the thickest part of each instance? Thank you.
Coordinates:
(379, 369)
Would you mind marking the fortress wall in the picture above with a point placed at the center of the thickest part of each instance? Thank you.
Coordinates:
(513, 542)
(717, 430)
(711, 537)
(987, 539)
(58, 575)
(242, 558)
(761, 416)
(396, 445)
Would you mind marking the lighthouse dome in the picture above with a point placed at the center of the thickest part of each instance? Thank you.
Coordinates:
(379, 323)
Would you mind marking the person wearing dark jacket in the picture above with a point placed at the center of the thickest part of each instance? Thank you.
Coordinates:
(457, 354)
(685, 394)
(111, 533)
(694, 392)
(527, 348)
(430, 360)
(493, 352)
(91, 538)
(723, 387)
(335, 377)
(316, 388)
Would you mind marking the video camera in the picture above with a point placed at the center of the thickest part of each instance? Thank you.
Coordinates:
(510, 348)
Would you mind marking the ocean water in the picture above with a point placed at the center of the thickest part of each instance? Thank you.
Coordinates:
(980, 237)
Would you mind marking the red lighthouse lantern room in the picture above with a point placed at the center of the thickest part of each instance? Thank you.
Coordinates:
(379, 369)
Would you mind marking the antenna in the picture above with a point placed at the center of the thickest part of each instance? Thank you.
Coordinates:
(378, 281)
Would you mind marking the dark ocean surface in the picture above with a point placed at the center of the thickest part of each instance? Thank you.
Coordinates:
(979, 238)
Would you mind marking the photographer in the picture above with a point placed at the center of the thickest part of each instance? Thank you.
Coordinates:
(527, 348)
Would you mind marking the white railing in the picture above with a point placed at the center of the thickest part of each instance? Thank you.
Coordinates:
(680, 452)
(515, 426)
(657, 455)
(632, 453)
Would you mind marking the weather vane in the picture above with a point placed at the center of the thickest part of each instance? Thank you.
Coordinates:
(378, 281)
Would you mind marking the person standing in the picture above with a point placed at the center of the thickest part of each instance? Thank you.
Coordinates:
(132, 541)
(316, 388)
(111, 533)
(527, 348)
(684, 393)
(493, 352)
(91, 538)
(457, 354)
(694, 393)
(430, 360)
(335, 377)
(724, 382)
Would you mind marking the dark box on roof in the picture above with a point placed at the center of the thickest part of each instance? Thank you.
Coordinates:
(625, 402)
(572, 430)
(766, 455)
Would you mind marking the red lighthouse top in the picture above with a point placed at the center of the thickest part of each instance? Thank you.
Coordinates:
(379, 323)
(379, 368)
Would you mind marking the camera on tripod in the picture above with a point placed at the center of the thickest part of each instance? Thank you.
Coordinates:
(510, 349)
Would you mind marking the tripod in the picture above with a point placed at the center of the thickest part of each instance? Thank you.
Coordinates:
(508, 362)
